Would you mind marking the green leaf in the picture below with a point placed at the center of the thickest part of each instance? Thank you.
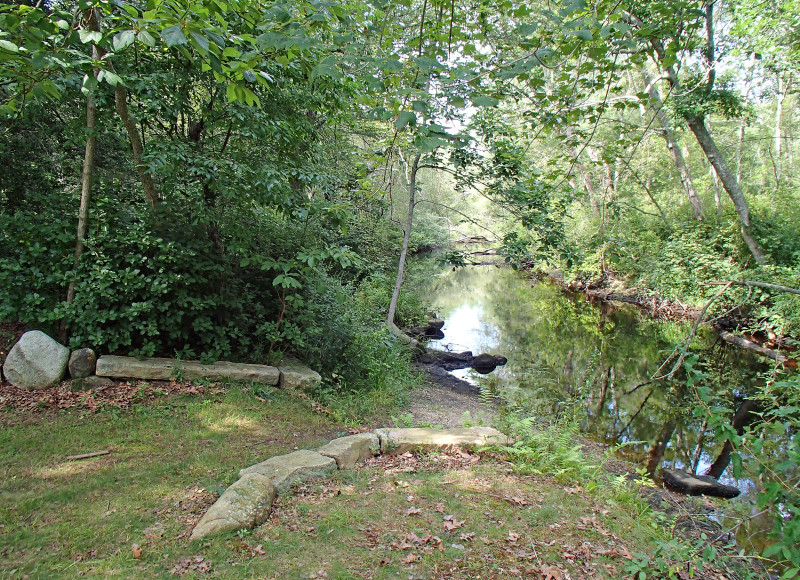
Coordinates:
(123, 40)
(112, 78)
(88, 36)
(484, 101)
(9, 46)
(582, 34)
(146, 38)
(527, 29)
(405, 118)
(231, 93)
(174, 36)
(200, 40)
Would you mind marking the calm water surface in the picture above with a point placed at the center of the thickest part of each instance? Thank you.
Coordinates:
(563, 350)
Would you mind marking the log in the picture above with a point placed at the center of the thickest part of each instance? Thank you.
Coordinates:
(87, 455)
(742, 342)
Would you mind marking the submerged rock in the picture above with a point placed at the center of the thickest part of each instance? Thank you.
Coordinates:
(486, 363)
(684, 482)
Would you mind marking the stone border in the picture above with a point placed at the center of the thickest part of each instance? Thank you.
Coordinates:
(248, 502)
(289, 374)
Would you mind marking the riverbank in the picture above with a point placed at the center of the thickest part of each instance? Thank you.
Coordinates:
(732, 326)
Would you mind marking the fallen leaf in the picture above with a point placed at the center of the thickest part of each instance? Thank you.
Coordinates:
(450, 523)
(413, 511)
(137, 551)
(512, 538)
(467, 536)
(440, 508)
(410, 558)
(551, 573)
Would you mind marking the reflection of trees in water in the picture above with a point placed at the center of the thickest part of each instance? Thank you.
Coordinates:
(564, 352)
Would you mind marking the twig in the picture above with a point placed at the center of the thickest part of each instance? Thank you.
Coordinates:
(776, 287)
(87, 455)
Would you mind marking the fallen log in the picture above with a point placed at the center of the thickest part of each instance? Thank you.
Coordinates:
(742, 342)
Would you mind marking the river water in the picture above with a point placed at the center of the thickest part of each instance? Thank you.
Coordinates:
(566, 354)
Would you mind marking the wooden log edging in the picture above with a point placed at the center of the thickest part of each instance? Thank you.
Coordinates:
(248, 502)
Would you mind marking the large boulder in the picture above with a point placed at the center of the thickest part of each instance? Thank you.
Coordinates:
(36, 361)
(244, 505)
(82, 363)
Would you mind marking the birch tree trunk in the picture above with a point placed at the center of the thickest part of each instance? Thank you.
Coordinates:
(412, 191)
(779, 98)
(672, 144)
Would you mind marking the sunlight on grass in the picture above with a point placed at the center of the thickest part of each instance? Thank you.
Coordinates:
(231, 423)
(72, 468)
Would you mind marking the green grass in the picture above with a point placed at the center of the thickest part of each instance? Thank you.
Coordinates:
(129, 514)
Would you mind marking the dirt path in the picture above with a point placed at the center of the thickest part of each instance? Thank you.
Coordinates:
(448, 401)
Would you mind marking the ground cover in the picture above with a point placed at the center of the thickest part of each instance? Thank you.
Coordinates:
(175, 446)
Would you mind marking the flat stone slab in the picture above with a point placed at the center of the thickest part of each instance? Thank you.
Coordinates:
(684, 482)
(165, 369)
(297, 376)
(394, 441)
(245, 504)
(285, 470)
(347, 451)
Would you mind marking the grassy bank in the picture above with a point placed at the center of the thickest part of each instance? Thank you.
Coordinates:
(128, 514)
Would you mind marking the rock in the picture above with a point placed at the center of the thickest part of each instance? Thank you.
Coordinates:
(486, 363)
(449, 361)
(297, 376)
(285, 470)
(92, 383)
(347, 451)
(82, 363)
(395, 441)
(165, 369)
(432, 330)
(684, 482)
(36, 361)
(245, 504)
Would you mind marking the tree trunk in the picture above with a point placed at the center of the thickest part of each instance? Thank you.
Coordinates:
(656, 453)
(780, 97)
(672, 144)
(717, 196)
(588, 185)
(729, 183)
(412, 191)
(709, 147)
(744, 415)
(87, 173)
(739, 146)
(121, 103)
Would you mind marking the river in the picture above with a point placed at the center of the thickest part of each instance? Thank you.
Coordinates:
(590, 362)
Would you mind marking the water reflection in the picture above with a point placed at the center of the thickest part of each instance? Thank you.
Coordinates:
(563, 350)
